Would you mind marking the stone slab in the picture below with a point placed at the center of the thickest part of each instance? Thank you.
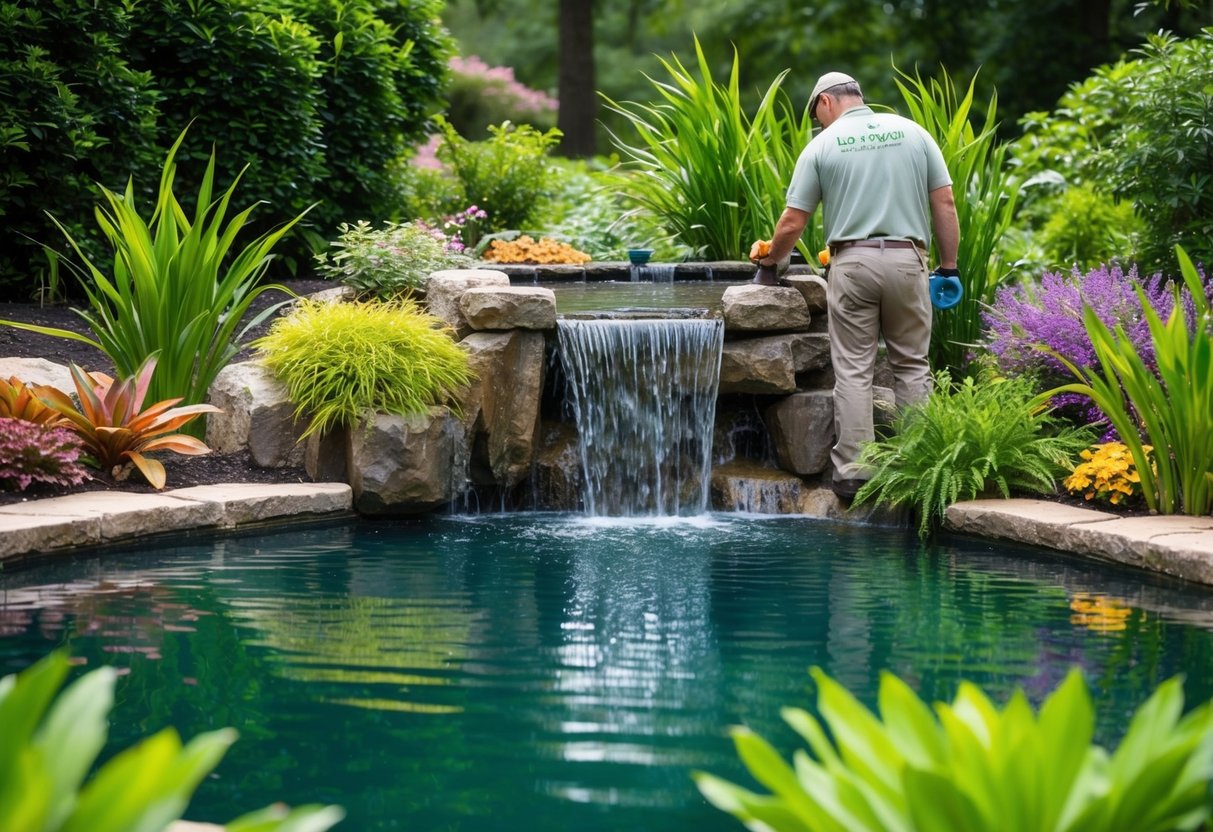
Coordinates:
(254, 502)
(92, 518)
(1175, 545)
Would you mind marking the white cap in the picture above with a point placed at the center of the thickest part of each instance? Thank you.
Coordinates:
(830, 79)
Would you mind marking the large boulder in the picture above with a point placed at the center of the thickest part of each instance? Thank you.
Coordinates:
(758, 365)
(407, 465)
(257, 414)
(509, 307)
(37, 371)
(802, 429)
(501, 408)
(444, 288)
(753, 308)
(557, 472)
(812, 288)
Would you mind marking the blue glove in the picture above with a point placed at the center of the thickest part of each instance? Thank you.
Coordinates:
(945, 288)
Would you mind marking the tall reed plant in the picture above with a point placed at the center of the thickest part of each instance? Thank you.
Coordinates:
(985, 200)
(179, 287)
(712, 175)
(1169, 406)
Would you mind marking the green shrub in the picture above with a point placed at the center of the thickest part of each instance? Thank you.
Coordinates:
(390, 261)
(317, 97)
(508, 175)
(342, 362)
(706, 171)
(75, 110)
(971, 767)
(49, 743)
(965, 441)
(382, 64)
(177, 289)
(1138, 130)
(1086, 229)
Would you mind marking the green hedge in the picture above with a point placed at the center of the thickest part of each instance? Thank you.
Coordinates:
(317, 96)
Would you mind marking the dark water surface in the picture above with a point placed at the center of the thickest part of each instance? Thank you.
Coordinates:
(549, 672)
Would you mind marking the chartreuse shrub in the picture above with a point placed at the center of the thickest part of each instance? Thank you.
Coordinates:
(179, 287)
(711, 174)
(1166, 403)
(50, 737)
(966, 440)
(971, 766)
(985, 198)
(342, 362)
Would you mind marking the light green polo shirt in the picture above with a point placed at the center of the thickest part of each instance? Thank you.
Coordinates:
(872, 172)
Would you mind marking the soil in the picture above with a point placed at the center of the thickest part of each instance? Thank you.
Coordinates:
(182, 471)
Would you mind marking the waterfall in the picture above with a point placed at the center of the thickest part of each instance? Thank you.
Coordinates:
(643, 393)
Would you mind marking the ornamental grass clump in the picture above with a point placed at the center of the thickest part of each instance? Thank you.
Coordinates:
(342, 362)
(968, 440)
(37, 453)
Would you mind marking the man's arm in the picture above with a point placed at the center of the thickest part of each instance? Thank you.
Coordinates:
(947, 228)
(787, 232)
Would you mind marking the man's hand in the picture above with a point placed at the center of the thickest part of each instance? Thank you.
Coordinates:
(759, 250)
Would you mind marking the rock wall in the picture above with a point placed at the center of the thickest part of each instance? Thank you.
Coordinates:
(774, 427)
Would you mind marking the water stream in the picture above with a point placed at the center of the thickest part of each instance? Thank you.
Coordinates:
(643, 395)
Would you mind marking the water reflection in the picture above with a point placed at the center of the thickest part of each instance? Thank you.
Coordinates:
(556, 672)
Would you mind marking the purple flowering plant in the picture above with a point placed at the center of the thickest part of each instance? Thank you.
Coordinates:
(1031, 328)
(37, 453)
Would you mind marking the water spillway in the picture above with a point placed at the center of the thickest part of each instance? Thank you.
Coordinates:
(643, 395)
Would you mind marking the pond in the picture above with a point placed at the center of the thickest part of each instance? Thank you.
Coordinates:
(558, 672)
(595, 296)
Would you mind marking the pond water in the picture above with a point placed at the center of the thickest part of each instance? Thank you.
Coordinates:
(579, 297)
(553, 672)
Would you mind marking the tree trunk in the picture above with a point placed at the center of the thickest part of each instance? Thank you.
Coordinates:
(578, 96)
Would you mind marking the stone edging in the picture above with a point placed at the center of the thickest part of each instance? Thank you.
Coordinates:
(95, 518)
(1170, 544)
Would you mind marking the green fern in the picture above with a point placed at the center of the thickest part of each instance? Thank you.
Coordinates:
(968, 440)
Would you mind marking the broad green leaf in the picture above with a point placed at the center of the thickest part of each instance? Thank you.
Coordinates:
(937, 805)
(279, 818)
(73, 735)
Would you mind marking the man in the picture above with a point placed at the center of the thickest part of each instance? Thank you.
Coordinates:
(877, 176)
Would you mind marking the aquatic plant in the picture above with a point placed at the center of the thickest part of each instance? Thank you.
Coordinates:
(973, 767)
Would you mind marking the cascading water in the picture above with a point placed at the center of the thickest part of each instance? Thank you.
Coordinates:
(643, 393)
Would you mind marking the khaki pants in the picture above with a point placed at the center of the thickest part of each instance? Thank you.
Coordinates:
(872, 293)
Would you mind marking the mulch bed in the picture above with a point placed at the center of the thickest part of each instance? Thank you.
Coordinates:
(183, 471)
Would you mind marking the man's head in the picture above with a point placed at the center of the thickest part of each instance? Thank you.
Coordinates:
(833, 85)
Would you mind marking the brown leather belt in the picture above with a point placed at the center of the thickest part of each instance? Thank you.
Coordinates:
(877, 243)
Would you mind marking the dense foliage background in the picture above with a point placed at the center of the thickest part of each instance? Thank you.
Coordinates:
(316, 97)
